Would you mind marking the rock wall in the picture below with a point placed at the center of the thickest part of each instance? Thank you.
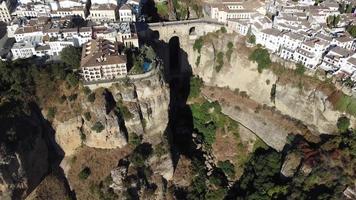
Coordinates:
(146, 99)
(309, 106)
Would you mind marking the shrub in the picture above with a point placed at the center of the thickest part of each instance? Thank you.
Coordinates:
(51, 112)
(227, 167)
(343, 124)
(72, 79)
(223, 29)
(91, 97)
(195, 87)
(98, 127)
(197, 62)
(300, 69)
(134, 139)
(261, 56)
(198, 44)
(273, 92)
(62, 99)
(72, 97)
(229, 51)
(84, 174)
(86, 90)
(252, 39)
(220, 61)
(87, 116)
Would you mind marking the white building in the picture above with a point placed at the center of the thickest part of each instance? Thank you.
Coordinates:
(6, 9)
(104, 2)
(101, 60)
(11, 30)
(239, 25)
(22, 32)
(22, 50)
(335, 59)
(270, 39)
(57, 46)
(103, 13)
(69, 3)
(344, 42)
(126, 14)
(290, 42)
(310, 52)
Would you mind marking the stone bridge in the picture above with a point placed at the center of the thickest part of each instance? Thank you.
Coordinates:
(187, 28)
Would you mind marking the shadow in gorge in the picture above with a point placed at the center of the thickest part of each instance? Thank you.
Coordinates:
(177, 73)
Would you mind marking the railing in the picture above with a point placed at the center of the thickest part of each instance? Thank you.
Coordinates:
(186, 22)
(134, 77)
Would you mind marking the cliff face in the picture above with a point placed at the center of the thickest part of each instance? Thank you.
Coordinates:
(24, 155)
(146, 101)
(310, 106)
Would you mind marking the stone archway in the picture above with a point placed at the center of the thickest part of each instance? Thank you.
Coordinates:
(192, 31)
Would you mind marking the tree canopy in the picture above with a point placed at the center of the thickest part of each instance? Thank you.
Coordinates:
(71, 56)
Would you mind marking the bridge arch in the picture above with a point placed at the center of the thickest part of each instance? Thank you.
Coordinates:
(192, 30)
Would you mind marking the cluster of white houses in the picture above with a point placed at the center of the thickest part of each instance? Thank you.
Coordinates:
(298, 31)
(99, 10)
(45, 28)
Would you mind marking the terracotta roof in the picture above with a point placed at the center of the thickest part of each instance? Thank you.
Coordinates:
(101, 52)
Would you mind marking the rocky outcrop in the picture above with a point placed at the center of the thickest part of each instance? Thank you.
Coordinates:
(291, 164)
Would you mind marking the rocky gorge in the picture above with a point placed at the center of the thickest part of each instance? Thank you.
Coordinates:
(308, 103)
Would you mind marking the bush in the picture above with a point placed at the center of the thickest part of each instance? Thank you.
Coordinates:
(223, 30)
(261, 56)
(230, 46)
(98, 127)
(91, 97)
(300, 69)
(220, 61)
(84, 174)
(273, 92)
(198, 44)
(87, 116)
(134, 139)
(86, 90)
(227, 167)
(72, 79)
(51, 113)
(343, 124)
(252, 39)
(72, 97)
(71, 56)
(195, 87)
(197, 62)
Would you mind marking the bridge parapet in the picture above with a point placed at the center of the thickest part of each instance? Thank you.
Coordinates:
(184, 28)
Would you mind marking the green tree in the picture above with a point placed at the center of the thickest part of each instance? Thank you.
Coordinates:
(71, 56)
(227, 167)
(91, 97)
(198, 44)
(352, 30)
(261, 56)
(98, 127)
(72, 79)
(195, 86)
(300, 69)
(343, 124)
(85, 173)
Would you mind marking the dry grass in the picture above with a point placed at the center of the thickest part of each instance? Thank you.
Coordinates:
(100, 162)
